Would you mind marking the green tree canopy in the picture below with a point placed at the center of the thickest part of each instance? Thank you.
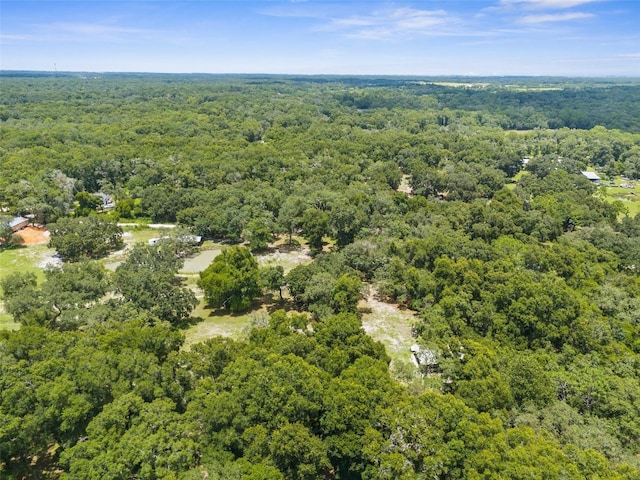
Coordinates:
(147, 278)
(85, 237)
(231, 281)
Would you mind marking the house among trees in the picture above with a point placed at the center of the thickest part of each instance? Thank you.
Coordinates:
(18, 223)
(592, 176)
(107, 201)
(424, 358)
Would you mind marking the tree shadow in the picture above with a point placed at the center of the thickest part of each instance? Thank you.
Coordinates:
(294, 246)
(13, 247)
(266, 304)
(285, 304)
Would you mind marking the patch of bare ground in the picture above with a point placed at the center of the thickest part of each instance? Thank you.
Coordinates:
(405, 186)
(199, 262)
(223, 323)
(288, 258)
(33, 235)
(392, 326)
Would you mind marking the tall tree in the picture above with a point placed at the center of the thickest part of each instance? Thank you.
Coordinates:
(315, 225)
(231, 281)
(148, 280)
(85, 237)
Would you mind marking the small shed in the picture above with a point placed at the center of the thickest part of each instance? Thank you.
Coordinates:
(18, 223)
(592, 176)
(425, 358)
(191, 239)
(107, 201)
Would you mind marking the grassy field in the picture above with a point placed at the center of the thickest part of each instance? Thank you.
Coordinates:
(288, 260)
(391, 326)
(214, 323)
(629, 196)
(25, 259)
(22, 259)
(131, 236)
(221, 324)
(385, 323)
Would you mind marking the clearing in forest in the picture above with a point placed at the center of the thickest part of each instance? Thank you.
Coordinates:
(224, 323)
(405, 185)
(33, 258)
(385, 322)
(34, 235)
(391, 326)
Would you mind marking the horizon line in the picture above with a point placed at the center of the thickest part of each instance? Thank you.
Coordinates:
(386, 75)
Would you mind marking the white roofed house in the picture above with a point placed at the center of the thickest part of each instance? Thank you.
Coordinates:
(9, 228)
(592, 176)
(107, 201)
(18, 223)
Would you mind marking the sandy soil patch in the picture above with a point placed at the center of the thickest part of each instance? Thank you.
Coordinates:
(51, 261)
(405, 185)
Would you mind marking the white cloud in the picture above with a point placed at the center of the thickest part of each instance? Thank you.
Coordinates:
(92, 29)
(546, 4)
(9, 37)
(554, 17)
(387, 23)
(78, 32)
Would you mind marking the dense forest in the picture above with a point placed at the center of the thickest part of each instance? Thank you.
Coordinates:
(461, 199)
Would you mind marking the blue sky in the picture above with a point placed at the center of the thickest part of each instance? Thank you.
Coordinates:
(478, 37)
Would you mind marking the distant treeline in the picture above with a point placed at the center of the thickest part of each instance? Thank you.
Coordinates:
(520, 103)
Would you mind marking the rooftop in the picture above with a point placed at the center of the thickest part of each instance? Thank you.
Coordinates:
(591, 176)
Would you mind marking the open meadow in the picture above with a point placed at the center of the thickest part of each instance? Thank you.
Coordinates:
(26, 258)
(384, 322)
(627, 191)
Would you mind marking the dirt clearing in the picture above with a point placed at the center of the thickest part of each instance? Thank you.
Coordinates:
(34, 235)
(391, 326)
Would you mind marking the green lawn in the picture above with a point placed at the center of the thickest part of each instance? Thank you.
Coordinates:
(629, 196)
(220, 323)
(215, 323)
(22, 259)
(7, 323)
(25, 259)
(142, 233)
